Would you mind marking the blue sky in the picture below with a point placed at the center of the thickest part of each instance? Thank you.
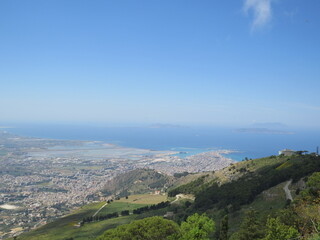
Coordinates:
(169, 61)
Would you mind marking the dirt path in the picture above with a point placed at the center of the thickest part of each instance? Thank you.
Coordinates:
(99, 209)
(287, 191)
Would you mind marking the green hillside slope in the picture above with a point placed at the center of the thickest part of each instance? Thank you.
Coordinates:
(137, 181)
(251, 185)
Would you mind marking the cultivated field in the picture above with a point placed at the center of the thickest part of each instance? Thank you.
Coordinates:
(67, 227)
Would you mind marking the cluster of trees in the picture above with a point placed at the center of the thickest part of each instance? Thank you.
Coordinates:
(252, 229)
(179, 175)
(124, 213)
(100, 217)
(196, 227)
(150, 208)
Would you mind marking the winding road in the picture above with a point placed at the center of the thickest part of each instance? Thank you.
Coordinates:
(287, 191)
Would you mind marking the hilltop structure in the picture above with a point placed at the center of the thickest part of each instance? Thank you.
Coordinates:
(287, 152)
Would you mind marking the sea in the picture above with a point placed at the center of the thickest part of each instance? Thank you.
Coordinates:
(184, 140)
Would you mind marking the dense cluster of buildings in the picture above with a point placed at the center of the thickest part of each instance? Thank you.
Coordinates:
(37, 188)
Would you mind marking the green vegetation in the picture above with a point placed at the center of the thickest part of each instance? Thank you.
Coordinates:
(63, 227)
(299, 220)
(250, 228)
(71, 226)
(179, 175)
(192, 187)
(148, 228)
(279, 231)
(267, 203)
(244, 189)
(179, 181)
(116, 206)
(195, 227)
(257, 184)
(194, 183)
(224, 228)
(151, 208)
(66, 228)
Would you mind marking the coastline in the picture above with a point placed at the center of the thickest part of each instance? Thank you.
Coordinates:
(44, 173)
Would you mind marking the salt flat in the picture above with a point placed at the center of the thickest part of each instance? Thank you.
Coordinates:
(8, 207)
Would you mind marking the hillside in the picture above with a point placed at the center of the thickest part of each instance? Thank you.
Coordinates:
(225, 175)
(267, 214)
(137, 181)
(251, 185)
(146, 180)
(265, 172)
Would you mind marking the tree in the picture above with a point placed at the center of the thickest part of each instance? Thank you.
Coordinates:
(197, 227)
(314, 184)
(125, 213)
(309, 215)
(147, 228)
(315, 237)
(250, 228)
(279, 231)
(307, 206)
(300, 152)
(224, 228)
(187, 204)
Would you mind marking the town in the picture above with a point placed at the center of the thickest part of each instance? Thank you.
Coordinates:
(43, 179)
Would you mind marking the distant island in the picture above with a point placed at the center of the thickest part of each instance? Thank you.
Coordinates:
(263, 131)
(163, 125)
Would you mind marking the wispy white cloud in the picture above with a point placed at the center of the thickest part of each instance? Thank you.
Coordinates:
(262, 12)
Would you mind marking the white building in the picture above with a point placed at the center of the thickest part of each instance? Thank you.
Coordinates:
(287, 152)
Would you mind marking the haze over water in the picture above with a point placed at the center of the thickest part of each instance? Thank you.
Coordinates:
(191, 140)
(219, 63)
